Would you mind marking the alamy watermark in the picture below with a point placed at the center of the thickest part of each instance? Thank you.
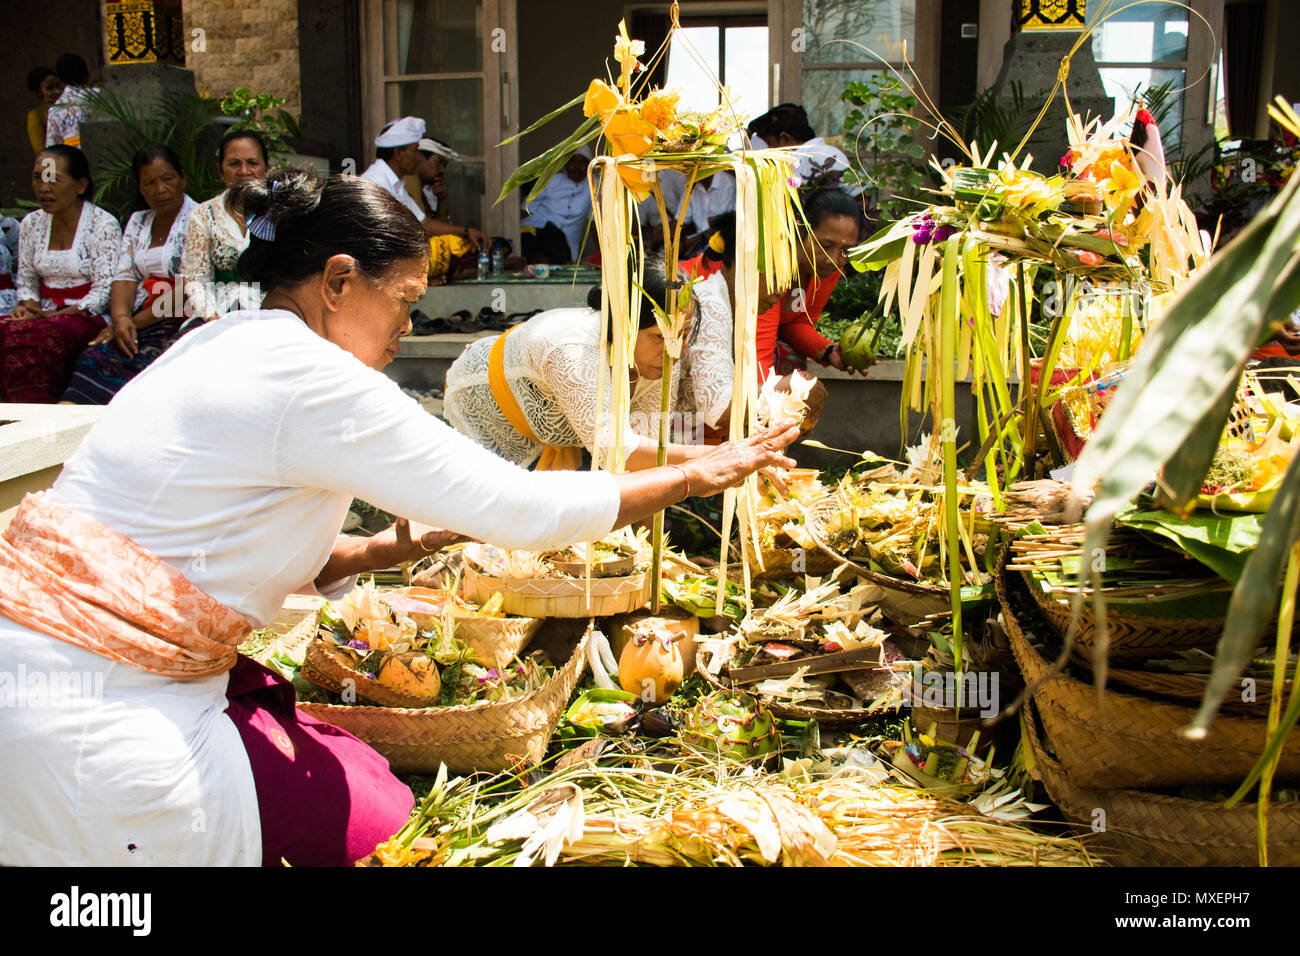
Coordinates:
(41, 688)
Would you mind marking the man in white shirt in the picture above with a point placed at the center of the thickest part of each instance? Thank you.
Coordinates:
(565, 204)
(397, 155)
(786, 126)
(710, 198)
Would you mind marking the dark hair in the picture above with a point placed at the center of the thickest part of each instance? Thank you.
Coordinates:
(72, 69)
(824, 203)
(315, 218)
(37, 76)
(724, 226)
(655, 283)
(78, 165)
(235, 134)
(146, 155)
(787, 118)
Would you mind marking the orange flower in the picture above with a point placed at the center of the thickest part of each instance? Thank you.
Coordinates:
(660, 109)
(629, 133)
(601, 99)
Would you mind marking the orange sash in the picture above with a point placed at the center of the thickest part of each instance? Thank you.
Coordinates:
(554, 457)
(70, 577)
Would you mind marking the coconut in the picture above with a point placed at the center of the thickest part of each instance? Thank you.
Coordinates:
(651, 664)
(731, 724)
(855, 346)
(412, 672)
(683, 625)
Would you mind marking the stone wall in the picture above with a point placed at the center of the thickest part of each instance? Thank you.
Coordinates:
(250, 43)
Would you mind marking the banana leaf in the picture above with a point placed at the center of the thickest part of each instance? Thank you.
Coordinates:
(1172, 407)
(1222, 542)
(542, 168)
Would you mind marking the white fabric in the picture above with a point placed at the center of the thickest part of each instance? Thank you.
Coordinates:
(817, 158)
(427, 145)
(401, 132)
(137, 259)
(551, 363)
(9, 230)
(565, 203)
(706, 203)
(92, 258)
(381, 174)
(214, 241)
(430, 198)
(708, 366)
(63, 123)
(234, 458)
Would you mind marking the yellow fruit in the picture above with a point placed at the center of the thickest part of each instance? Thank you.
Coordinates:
(651, 666)
(412, 672)
(683, 625)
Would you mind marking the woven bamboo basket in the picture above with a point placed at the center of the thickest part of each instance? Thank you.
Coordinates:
(780, 563)
(1190, 688)
(1131, 636)
(560, 597)
(486, 736)
(1134, 828)
(1125, 740)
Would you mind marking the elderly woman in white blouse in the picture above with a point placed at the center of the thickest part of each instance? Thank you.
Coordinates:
(66, 260)
(214, 485)
(147, 311)
(217, 236)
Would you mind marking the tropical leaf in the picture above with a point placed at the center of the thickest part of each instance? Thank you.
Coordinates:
(542, 168)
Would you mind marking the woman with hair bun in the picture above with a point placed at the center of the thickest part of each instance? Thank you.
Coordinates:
(67, 251)
(146, 309)
(213, 486)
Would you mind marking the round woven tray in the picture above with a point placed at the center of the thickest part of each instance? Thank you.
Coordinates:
(560, 597)
(1132, 636)
(328, 667)
(1125, 740)
(1134, 828)
(823, 715)
(815, 522)
(485, 736)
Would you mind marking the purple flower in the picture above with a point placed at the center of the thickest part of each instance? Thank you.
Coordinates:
(942, 233)
(358, 645)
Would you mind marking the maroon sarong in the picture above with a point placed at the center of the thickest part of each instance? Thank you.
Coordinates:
(324, 797)
(37, 356)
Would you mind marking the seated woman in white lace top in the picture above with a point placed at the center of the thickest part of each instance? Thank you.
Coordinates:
(217, 237)
(67, 251)
(147, 310)
(550, 365)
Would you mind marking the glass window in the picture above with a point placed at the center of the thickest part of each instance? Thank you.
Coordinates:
(821, 99)
(1125, 82)
(736, 54)
(452, 110)
(882, 26)
(1140, 33)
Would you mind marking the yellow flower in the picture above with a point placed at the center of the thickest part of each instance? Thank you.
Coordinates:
(629, 133)
(660, 109)
(1120, 188)
(626, 50)
(601, 99)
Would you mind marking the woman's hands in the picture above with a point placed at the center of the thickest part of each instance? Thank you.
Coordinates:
(121, 330)
(27, 309)
(409, 541)
(642, 493)
(730, 463)
(835, 359)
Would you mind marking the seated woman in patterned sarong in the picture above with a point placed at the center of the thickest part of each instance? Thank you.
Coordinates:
(67, 251)
(216, 235)
(147, 310)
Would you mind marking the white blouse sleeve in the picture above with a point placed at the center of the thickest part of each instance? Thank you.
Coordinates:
(351, 430)
(104, 241)
(196, 265)
(708, 366)
(569, 370)
(29, 239)
(126, 270)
